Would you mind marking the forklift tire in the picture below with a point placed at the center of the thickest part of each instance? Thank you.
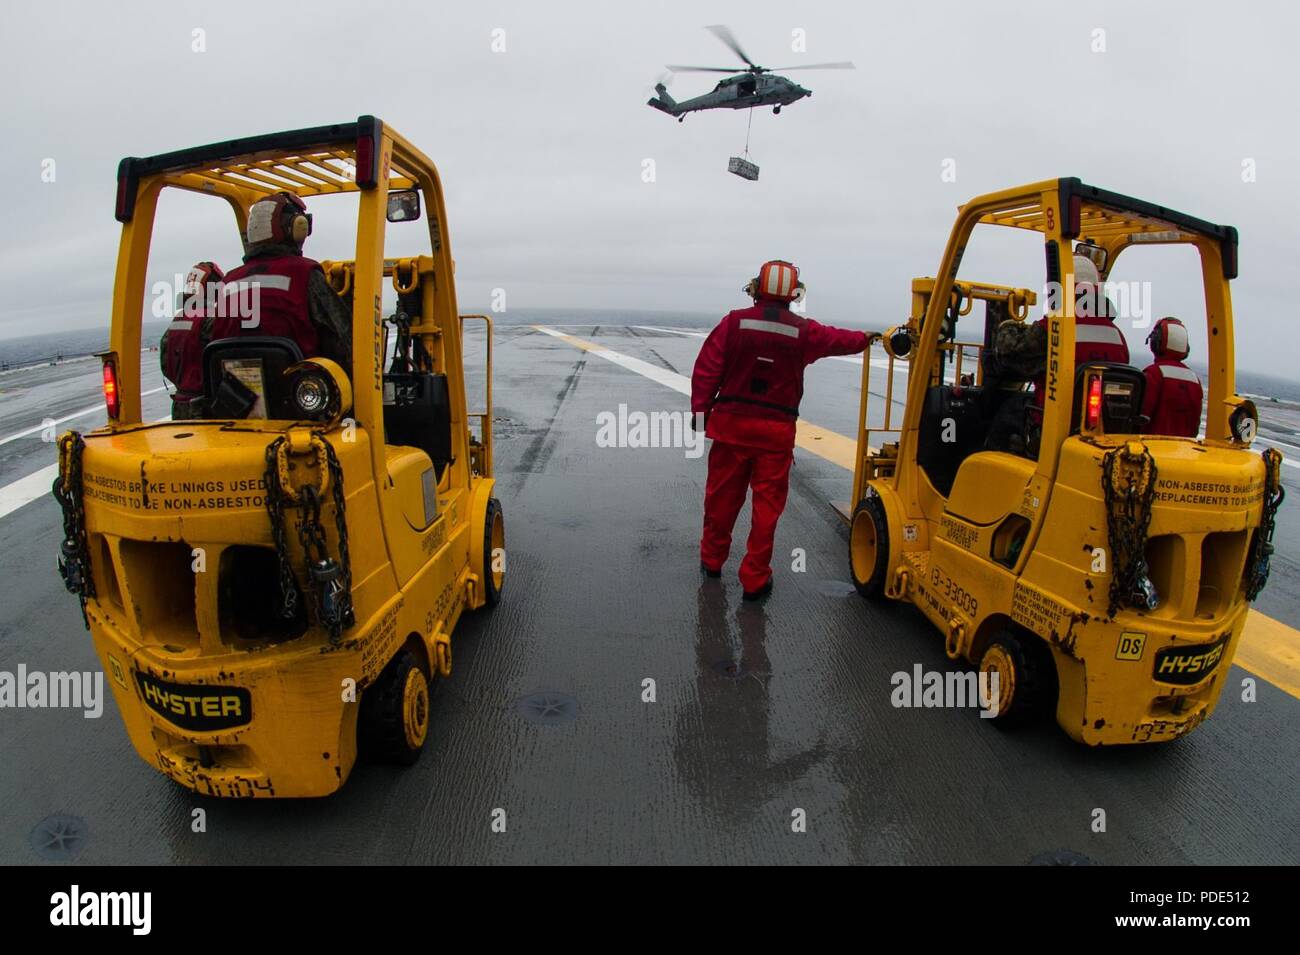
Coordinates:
(1026, 678)
(869, 547)
(395, 711)
(494, 541)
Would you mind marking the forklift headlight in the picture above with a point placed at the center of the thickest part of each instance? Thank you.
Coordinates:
(1244, 422)
(311, 393)
(319, 390)
(898, 342)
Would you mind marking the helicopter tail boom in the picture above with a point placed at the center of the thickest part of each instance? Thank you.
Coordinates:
(663, 101)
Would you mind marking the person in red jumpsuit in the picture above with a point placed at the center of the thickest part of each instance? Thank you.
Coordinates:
(290, 295)
(746, 387)
(181, 348)
(1096, 336)
(1172, 400)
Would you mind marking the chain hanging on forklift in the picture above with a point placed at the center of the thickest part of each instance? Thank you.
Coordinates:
(1128, 478)
(74, 552)
(1261, 543)
(330, 580)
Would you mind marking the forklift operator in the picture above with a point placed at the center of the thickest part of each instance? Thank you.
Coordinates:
(1096, 336)
(291, 298)
(1019, 354)
(747, 384)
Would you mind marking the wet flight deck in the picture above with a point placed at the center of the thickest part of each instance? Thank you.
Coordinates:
(762, 713)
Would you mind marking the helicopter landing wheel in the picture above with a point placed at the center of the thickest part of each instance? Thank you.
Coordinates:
(681, 119)
(776, 110)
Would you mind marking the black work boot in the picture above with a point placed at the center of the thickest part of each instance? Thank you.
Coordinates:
(760, 593)
(709, 571)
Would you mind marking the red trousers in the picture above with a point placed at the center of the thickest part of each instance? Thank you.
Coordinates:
(733, 470)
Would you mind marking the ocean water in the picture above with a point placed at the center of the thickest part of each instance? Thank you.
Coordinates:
(40, 349)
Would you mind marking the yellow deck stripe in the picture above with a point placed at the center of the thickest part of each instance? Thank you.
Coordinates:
(1268, 648)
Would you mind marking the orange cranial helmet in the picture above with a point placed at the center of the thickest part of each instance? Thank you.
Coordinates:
(280, 217)
(777, 280)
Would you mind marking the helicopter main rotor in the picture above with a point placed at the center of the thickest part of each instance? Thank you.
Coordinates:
(728, 39)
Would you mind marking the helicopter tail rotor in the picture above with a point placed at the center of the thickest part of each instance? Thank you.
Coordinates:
(662, 101)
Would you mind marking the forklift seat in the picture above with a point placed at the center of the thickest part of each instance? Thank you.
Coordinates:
(239, 370)
(953, 427)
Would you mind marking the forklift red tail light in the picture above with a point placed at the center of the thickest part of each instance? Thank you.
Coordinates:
(127, 183)
(112, 398)
(369, 131)
(1073, 218)
(1229, 252)
(365, 159)
(1092, 415)
(122, 214)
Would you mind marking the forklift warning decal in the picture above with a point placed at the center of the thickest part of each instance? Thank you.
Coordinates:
(1183, 666)
(1039, 612)
(148, 495)
(963, 535)
(1210, 493)
(381, 642)
(195, 706)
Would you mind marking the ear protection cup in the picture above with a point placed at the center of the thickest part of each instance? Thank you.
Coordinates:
(280, 217)
(294, 210)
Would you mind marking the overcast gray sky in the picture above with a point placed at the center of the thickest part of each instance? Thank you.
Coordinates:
(541, 147)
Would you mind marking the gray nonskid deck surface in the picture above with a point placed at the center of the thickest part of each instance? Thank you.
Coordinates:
(760, 712)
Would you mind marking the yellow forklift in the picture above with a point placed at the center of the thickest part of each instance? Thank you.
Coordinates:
(267, 583)
(1101, 572)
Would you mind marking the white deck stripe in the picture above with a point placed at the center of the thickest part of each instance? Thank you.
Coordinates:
(25, 490)
(682, 384)
(670, 379)
(670, 331)
(33, 487)
(89, 409)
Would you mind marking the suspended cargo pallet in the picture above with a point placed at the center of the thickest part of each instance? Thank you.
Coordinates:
(742, 168)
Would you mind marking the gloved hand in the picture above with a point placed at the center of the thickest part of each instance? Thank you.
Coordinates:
(699, 420)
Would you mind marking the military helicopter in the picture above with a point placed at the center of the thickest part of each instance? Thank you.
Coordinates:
(756, 86)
